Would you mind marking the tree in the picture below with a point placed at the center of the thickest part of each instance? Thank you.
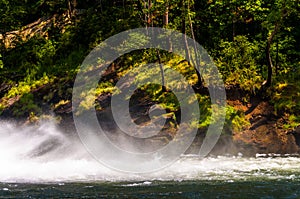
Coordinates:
(276, 18)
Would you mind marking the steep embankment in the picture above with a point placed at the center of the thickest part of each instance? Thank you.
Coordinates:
(51, 97)
(264, 134)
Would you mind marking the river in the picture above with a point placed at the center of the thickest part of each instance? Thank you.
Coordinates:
(40, 161)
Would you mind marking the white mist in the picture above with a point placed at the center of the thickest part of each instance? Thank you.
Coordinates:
(45, 154)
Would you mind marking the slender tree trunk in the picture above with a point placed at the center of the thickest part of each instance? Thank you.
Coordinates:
(124, 10)
(149, 14)
(277, 59)
(197, 57)
(166, 16)
(161, 71)
(71, 7)
(145, 14)
(268, 82)
(166, 23)
(183, 30)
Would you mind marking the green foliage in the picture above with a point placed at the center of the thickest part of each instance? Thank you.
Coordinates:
(1, 62)
(235, 119)
(10, 10)
(238, 62)
(26, 106)
(32, 57)
(234, 31)
(26, 87)
(293, 121)
(104, 87)
(205, 111)
(22, 97)
(46, 52)
(286, 98)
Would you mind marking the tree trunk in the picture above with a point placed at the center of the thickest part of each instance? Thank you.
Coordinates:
(277, 59)
(149, 16)
(197, 57)
(166, 16)
(268, 82)
(183, 30)
(71, 7)
(145, 16)
(161, 72)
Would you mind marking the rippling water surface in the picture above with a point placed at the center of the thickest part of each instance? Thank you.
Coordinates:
(41, 162)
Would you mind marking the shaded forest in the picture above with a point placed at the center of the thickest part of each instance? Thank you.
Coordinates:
(255, 45)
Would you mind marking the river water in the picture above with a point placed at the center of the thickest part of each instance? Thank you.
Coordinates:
(40, 161)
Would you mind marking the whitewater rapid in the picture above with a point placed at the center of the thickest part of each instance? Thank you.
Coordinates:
(42, 153)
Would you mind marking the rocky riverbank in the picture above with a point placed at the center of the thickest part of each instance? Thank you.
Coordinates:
(265, 133)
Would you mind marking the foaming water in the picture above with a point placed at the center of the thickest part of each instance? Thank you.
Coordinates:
(45, 154)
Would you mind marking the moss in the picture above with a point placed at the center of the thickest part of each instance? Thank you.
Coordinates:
(235, 119)
(26, 106)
